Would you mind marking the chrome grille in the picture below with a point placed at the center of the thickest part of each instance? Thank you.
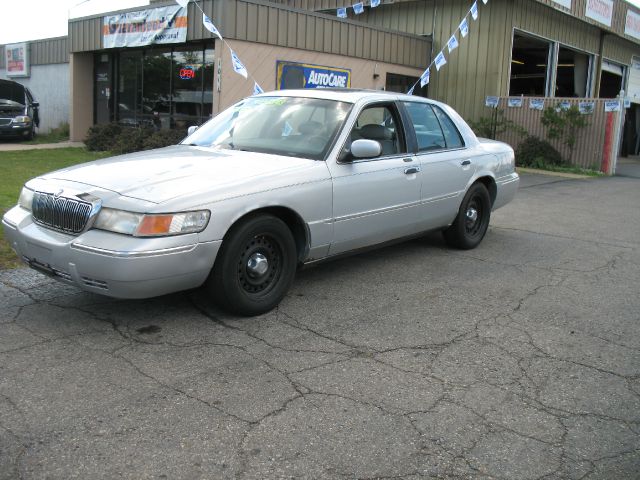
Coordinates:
(5, 121)
(61, 213)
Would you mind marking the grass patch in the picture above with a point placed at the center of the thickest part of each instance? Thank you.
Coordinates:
(19, 166)
(56, 135)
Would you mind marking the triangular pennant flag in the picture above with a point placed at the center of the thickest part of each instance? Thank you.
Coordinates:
(485, 1)
(375, 3)
(424, 78)
(410, 92)
(257, 88)
(440, 61)
(474, 10)
(208, 24)
(342, 13)
(358, 8)
(464, 28)
(452, 44)
(238, 67)
(183, 3)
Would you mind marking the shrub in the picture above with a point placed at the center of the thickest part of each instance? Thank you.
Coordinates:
(536, 153)
(119, 139)
(490, 127)
(564, 125)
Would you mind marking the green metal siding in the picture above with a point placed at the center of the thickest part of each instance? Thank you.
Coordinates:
(619, 50)
(43, 52)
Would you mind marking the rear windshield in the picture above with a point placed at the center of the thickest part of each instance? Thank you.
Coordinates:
(11, 93)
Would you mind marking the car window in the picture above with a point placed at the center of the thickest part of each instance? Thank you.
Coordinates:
(425, 123)
(379, 123)
(451, 134)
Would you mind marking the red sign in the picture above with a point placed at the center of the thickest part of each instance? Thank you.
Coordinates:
(187, 73)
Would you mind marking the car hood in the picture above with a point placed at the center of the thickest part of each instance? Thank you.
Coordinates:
(161, 175)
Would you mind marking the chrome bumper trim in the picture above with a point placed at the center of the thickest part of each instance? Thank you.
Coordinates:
(119, 254)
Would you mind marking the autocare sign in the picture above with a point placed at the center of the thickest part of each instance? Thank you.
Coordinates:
(304, 75)
(600, 10)
(632, 24)
(145, 27)
(17, 57)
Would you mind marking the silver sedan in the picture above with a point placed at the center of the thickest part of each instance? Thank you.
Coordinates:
(276, 181)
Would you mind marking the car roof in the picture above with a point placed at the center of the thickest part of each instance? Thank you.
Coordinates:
(350, 95)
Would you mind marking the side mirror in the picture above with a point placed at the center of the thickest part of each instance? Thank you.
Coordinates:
(365, 148)
(191, 129)
(35, 104)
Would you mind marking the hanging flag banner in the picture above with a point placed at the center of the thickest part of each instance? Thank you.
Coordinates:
(208, 24)
(515, 102)
(410, 92)
(491, 101)
(304, 75)
(183, 3)
(464, 28)
(440, 61)
(485, 1)
(424, 78)
(452, 44)
(474, 10)
(342, 13)
(375, 3)
(358, 8)
(257, 88)
(146, 27)
(611, 106)
(586, 108)
(536, 104)
(238, 67)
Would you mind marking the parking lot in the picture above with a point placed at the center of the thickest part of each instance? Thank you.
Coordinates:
(517, 360)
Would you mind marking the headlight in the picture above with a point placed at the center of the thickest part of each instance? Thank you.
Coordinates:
(22, 119)
(141, 225)
(26, 198)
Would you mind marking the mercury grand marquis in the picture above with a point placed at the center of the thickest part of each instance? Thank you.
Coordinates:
(276, 181)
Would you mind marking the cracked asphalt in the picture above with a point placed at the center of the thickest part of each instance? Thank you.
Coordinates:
(517, 360)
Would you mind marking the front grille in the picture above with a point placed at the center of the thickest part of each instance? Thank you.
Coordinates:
(5, 121)
(62, 214)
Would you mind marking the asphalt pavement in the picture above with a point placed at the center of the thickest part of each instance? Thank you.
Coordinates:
(517, 360)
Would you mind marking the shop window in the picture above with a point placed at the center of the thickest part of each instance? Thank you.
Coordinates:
(129, 99)
(156, 89)
(611, 80)
(529, 66)
(572, 73)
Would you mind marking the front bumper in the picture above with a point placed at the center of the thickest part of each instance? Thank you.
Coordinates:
(13, 130)
(109, 263)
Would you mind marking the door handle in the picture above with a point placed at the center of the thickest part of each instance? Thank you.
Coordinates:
(410, 170)
(466, 162)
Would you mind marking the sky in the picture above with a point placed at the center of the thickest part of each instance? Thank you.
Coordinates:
(33, 19)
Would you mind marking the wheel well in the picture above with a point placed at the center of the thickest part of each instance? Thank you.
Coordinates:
(490, 183)
(292, 220)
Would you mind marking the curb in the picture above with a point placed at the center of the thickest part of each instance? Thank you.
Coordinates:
(550, 173)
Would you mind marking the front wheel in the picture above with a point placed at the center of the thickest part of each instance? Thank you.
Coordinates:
(472, 221)
(255, 266)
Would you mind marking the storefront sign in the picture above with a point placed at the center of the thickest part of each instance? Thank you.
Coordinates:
(586, 108)
(304, 75)
(564, 3)
(600, 10)
(515, 102)
(491, 101)
(612, 106)
(536, 104)
(632, 24)
(154, 26)
(17, 56)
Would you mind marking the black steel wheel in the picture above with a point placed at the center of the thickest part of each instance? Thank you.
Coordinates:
(255, 266)
(472, 221)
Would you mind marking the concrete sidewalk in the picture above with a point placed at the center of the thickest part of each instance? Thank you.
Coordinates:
(628, 167)
(12, 147)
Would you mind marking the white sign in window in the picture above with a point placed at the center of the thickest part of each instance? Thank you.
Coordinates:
(600, 10)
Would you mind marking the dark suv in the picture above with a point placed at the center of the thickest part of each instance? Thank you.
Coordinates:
(18, 111)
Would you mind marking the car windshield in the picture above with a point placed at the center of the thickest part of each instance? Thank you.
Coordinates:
(290, 126)
(11, 93)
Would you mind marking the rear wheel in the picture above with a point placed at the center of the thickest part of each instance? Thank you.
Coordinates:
(255, 266)
(471, 224)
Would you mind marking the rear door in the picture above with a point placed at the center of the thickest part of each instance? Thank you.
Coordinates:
(446, 163)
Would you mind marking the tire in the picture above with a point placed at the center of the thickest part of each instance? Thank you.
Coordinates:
(472, 221)
(255, 266)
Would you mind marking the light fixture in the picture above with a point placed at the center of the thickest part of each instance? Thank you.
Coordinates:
(513, 60)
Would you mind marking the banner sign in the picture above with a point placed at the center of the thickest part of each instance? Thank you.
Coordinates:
(632, 25)
(145, 27)
(304, 75)
(17, 56)
(586, 108)
(612, 106)
(600, 10)
(536, 104)
(515, 102)
(564, 3)
(491, 101)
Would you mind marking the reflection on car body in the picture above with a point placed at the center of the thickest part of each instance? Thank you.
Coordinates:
(277, 180)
